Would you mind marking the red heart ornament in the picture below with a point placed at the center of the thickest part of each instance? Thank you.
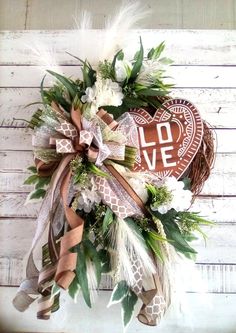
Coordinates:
(168, 141)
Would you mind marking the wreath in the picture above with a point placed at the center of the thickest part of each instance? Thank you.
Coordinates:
(118, 163)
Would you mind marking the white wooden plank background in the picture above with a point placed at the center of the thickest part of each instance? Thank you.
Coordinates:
(204, 72)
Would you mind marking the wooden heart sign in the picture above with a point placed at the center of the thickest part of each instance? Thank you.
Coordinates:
(168, 141)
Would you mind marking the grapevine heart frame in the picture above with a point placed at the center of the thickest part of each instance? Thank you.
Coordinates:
(118, 163)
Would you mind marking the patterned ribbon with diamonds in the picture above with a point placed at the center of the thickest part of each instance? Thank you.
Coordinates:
(154, 303)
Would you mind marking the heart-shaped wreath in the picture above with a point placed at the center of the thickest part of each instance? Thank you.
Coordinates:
(117, 163)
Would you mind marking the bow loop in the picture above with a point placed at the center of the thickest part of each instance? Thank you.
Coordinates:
(67, 129)
(97, 142)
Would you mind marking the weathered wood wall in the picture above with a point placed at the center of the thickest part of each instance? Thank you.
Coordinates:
(204, 72)
(164, 14)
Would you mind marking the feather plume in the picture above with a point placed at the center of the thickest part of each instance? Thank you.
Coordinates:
(178, 274)
(44, 56)
(83, 20)
(129, 245)
(115, 36)
(92, 280)
(118, 26)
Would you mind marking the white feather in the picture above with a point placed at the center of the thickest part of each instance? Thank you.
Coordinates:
(117, 28)
(128, 246)
(83, 20)
(44, 56)
(92, 280)
(116, 35)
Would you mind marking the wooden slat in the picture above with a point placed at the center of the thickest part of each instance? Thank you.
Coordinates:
(17, 233)
(222, 180)
(11, 271)
(219, 246)
(222, 277)
(13, 205)
(205, 14)
(182, 76)
(13, 182)
(9, 163)
(16, 236)
(200, 278)
(224, 163)
(20, 139)
(195, 47)
(216, 208)
(12, 15)
(220, 209)
(220, 112)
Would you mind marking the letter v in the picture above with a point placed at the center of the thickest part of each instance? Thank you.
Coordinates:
(151, 166)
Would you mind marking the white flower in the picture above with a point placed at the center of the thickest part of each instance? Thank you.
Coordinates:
(180, 198)
(140, 188)
(87, 200)
(90, 95)
(122, 69)
(104, 92)
(87, 197)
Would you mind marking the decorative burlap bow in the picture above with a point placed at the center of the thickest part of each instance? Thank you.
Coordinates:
(78, 137)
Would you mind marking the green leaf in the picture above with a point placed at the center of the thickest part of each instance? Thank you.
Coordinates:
(156, 236)
(57, 96)
(118, 56)
(42, 91)
(166, 61)
(155, 53)
(177, 240)
(150, 53)
(104, 256)
(32, 169)
(70, 86)
(120, 290)
(135, 229)
(190, 237)
(116, 111)
(98, 172)
(93, 255)
(55, 289)
(138, 63)
(128, 303)
(108, 219)
(40, 193)
(74, 288)
(152, 92)
(42, 181)
(31, 180)
(131, 102)
(187, 183)
(81, 271)
(89, 75)
(153, 244)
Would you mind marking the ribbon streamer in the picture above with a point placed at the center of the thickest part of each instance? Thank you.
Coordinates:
(154, 304)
